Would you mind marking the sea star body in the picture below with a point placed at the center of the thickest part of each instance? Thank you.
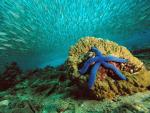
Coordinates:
(99, 60)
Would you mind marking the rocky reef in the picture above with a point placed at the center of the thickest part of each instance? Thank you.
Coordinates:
(48, 90)
(10, 76)
(107, 84)
(33, 91)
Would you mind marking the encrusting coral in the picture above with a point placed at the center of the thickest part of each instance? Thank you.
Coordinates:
(107, 84)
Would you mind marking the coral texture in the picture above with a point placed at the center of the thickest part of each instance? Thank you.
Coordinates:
(107, 84)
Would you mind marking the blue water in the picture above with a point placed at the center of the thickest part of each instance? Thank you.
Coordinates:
(36, 33)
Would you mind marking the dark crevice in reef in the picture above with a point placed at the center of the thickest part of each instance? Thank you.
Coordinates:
(144, 55)
(10, 76)
(139, 51)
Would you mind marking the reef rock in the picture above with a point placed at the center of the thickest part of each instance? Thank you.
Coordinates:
(107, 85)
(10, 76)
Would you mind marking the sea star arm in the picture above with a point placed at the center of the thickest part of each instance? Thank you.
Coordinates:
(87, 64)
(115, 59)
(97, 52)
(115, 70)
(92, 76)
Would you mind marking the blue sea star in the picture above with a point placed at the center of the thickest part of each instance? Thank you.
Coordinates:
(99, 60)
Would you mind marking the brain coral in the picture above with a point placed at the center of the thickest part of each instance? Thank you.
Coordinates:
(107, 85)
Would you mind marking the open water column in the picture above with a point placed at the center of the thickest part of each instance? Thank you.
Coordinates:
(36, 33)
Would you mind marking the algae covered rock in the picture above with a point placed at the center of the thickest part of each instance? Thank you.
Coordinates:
(107, 85)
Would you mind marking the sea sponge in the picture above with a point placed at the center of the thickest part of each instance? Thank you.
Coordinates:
(107, 85)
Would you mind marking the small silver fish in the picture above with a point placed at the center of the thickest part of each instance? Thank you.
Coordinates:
(3, 40)
(3, 48)
(3, 33)
(7, 45)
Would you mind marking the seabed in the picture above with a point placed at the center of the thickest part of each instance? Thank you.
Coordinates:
(48, 91)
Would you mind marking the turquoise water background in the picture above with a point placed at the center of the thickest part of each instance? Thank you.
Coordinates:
(36, 33)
